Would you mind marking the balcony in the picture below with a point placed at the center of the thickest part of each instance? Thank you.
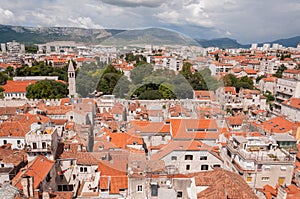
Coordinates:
(45, 149)
(261, 156)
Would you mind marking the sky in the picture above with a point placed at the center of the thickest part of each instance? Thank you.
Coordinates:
(246, 21)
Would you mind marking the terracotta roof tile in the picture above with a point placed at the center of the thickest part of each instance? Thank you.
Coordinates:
(15, 157)
(222, 184)
(16, 86)
(38, 168)
(277, 125)
(293, 102)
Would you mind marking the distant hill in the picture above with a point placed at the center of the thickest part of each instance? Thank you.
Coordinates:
(289, 42)
(221, 43)
(154, 36)
(35, 35)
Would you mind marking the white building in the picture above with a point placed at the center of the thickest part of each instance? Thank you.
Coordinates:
(259, 160)
(291, 109)
(41, 141)
(188, 156)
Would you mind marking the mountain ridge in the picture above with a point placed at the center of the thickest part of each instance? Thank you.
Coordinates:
(36, 35)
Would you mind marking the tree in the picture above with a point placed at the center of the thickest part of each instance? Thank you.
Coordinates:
(121, 90)
(150, 95)
(279, 71)
(47, 89)
(3, 78)
(184, 91)
(259, 78)
(166, 90)
(140, 72)
(109, 79)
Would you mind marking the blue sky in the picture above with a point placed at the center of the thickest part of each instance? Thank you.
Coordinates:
(244, 20)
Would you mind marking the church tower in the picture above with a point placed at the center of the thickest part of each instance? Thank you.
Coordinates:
(71, 80)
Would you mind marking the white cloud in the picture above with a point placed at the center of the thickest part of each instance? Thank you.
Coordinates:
(192, 12)
(135, 3)
(246, 21)
(84, 22)
(5, 15)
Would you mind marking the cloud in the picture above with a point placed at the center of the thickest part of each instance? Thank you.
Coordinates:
(84, 22)
(246, 21)
(135, 3)
(192, 12)
(5, 15)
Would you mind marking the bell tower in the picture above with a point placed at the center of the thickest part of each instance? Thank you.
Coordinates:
(71, 80)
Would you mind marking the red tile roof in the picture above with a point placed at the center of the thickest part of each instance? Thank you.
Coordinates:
(117, 177)
(234, 120)
(38, 168)
(182, 145)
(17, 86)
(292, 102)
(277, 125)
(150, 127)
(204, 95)
(231, 90)
(9, 156)
(194, 129)
(222, 184)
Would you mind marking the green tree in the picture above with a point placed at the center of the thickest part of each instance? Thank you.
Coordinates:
(166, 90)
(47, 89)
(3, 78)
(109, 79)
(259, 78)
(140, 72)
(279, 71)
(121, 90)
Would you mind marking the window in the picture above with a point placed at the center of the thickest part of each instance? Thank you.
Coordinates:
(281, 180)
(179, 194)
(81, 169)
(249, 179)
(265, 178)
(283, 168)
(217, 166)
(44, 145)
(4, 141)
(2, 165)
(18, 141)
(174, 158)
(203, 157)
(188, 157)
(140, 188)
(85, 169)
(267, 168)
(204, 167)
(34, 145)
(187, 167)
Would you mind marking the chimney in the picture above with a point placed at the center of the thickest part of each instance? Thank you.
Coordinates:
(27, 185)
(46, 195)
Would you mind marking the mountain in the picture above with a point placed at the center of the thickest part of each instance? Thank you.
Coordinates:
(153, 36)
(221, 43)
(289, 42)
(35, 35)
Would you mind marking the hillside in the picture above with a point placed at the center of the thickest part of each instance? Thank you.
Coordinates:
(153, 36)
(289, 42)
(221, 43)
(34, 35)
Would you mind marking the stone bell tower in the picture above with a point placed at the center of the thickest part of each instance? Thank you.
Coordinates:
(72, 80)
